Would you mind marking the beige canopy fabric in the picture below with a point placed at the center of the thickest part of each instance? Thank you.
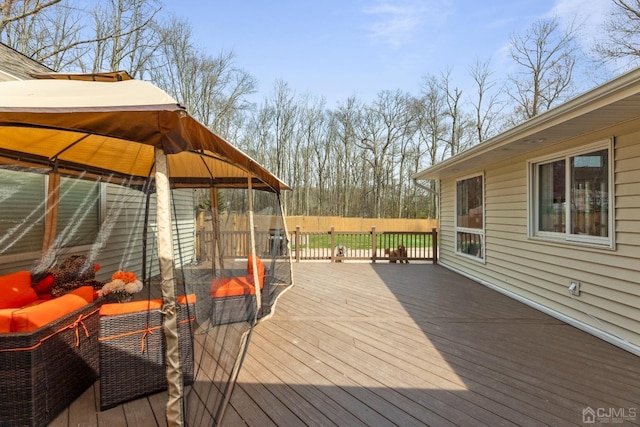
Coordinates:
(112, 127)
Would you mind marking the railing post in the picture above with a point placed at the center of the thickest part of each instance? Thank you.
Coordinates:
(373, 244)
(297, 240)
(332, 245)
(434, 244)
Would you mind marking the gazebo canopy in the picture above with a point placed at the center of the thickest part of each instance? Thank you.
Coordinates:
(112, 127)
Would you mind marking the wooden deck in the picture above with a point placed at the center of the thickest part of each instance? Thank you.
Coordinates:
(356, 344)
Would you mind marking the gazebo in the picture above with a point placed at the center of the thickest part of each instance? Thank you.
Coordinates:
(115, 171)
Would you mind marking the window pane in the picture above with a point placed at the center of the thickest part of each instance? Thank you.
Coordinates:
(79, 212)
(470, 243)
(469, 203)
(590, 194)
(22, 197)
(551, 197)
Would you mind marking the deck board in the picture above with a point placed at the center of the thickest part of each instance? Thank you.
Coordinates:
(355, 344)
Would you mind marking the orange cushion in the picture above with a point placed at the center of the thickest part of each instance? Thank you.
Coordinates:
(188, 299)
(232, 286)
(260, 267)
(116, 308)
(36, 302)
(32, 318)
(6, 314)
(16, 290)
(113, 309)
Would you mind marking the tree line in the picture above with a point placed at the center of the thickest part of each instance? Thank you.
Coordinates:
(355, 159)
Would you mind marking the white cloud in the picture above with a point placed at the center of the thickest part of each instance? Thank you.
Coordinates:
(590, 15)
(398, 21)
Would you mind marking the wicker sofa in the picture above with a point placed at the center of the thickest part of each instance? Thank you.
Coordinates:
(48, 351)
(132, 349)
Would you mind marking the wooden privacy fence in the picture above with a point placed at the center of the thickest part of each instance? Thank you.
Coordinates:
(332, 245)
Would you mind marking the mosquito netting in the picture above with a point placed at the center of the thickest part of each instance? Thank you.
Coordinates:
(174, 239)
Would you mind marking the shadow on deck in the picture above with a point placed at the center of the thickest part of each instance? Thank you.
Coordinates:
(382, 344)
(396, 344)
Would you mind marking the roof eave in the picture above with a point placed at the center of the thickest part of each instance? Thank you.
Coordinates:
(527, 133)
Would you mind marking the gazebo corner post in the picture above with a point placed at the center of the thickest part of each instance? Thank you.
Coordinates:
(252, 248)
(52, 207)
(174, 411)
(217, 254)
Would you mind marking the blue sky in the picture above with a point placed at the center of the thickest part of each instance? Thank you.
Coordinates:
(338, 48)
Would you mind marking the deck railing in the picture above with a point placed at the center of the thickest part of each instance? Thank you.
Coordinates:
(332, 245)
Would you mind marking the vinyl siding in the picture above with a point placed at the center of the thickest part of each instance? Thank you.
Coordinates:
(123, 248)
(541, 271)
(120, 236)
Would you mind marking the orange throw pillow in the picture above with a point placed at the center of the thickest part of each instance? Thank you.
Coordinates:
(260, 267)
(16, 290)
(43, 287)
(85, 292)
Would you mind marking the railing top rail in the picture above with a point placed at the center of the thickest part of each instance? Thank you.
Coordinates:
(405, 232)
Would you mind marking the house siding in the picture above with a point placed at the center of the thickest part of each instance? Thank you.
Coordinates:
(121, 234)
(540, 272)
(125, 239)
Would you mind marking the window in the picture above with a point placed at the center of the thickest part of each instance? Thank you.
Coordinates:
(21, 211)
(571, 196)
(470, 217)
(78, 212)
(23, 208)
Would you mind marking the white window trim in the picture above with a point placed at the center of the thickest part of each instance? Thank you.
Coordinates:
(477, 231)
(532, 199)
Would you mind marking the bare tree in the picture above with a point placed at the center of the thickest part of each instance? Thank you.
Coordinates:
(453, 101)
(310, 157)
(384, 125)
(125, 37)
(546, 56)
(257, 139)
(215, 90)
(432, 125)
(285, 115)
(49, 32)
(56, 34)
(487, 105)
(12, 11)
(622, 42)
(320, 134)
(348, 119)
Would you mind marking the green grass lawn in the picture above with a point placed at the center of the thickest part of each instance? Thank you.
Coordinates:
(363, 241)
